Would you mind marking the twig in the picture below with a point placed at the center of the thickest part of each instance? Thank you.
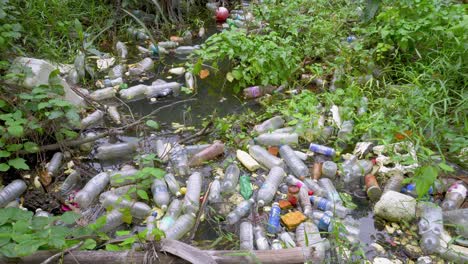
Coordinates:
(198, 134)
(55, 256)
(202, 208)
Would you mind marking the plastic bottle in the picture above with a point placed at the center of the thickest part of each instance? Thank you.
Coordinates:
(114, 219)
(80, 65)
(114, 114)
(150, 225)
(269, 187)
(297, 166)
(179, 160)
(127, 191)
(11, 192)
(42, 213)
(293, 181)
(269, 125)
(430, 227)
(264, 157)
(245, 186)
(261, 241)
(117, 71)
(141, 67)
(459, 219)
(172, 184)
(192, 197)
(215, 191)
(276, 245)
(71, 183)
(168, 44)
(323, 220)
(137, 209)
(315, 187)
(181, 226)
(301, 155)
(346, 131)
(332, 193)
(394, 183)
(327, 151)
(111, 83)
(173, 212)
(273, 225)
(92, 189)
(455, 196)
(160, 193)
(185, 50)
(54, 164)
(231, 178)
(116, 151)
(137, 34)
(163, 149)
(240, 211)
(270, 139)
(246, 236)
(92, 119)
(305, 202)
(121, 49)
(354, 170)
(363, 106)
(190, 81)
(336, 115)
(163, 90)
(287, 239)
(136, 92)
(307, 234)
(194, 149)
(216, 149)
(329, 169)
(326, 205)
(123, 176)
(248, 161)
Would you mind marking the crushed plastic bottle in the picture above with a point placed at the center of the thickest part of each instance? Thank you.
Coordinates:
(430, 227)
(216, 149)
(215, 191)
(231, 178)
(123, 176)
(163, 90)
(329, 169)
(246, 236)
(127, 191)
(190, 81)
(315, 187)
(293, 181)
(168, 44)
(269, 125)
(455, 196)
(261, 242)
(194, 149)
(116, 151)
(330, 189)
(179, 159)
(92, 189)
(110, 83)
(136, 92)
(42, 213)
(264, 157)
(80, 65)
(172, 213)
(273, 225)
(172, 184)
(160, 193)
(326, 205)
(245, 186)
(192, 197)
(240, 211)
(181, 226)
(54, 164)
(277, 139)
(11, 192)
(270, 186)
(122, 50)
(114, 114)
(287, 239)
(141, 67)
(72, 182)
(354, 170)
(163, 149)
(114, 219)
(307, 234)
(92, 119)
(327, 151)
(459, 219)
(296, 165)
(137, 209)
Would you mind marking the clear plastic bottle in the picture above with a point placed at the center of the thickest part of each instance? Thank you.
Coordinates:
(160, 193)
(231, 178)
(327, 151)
(192, 197)
(150, 225)
(141, 67)
(194, 149)
(246, 236)
(269, 125)
(173, 212)
(301, 155)
(430, 227)
(363, 106)
(11, 192)
(117, 71)
(264, 157)
(241, 210)
(315, 187)
(103, 94)
(80, 65)
(163, 90)
(181, 226)
(71, 183)
(330, 189)
(172, 184)
(326, 205)
(110, 83)
(273, 225)
(291, 180)
(123, 176)
(335, 110)
(121, 49)
(137, 209)
(114, 219)
(190, 81)
(92, 119)
(168, 44)
(276, 245)
(116, 151)
(261, 242)
(127, 191)
(268, 190)
(179, 160)
(134, 93)
(297, 166)
(455, 196)
(137, 34)
(287, 239)
(459, 219)
(276, 139)
(215, 191)
(92, 189)
(394, 183)
(354, 170)
(114, 114)
(323, 220)
(163, 149)
(185, 50)
(305, 202)
(216, 149)
(329, 169)
(307, 234)
(54, 164)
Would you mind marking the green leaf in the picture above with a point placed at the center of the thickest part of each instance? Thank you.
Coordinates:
(229, 77)
(43, 105)
(122, 232)
(424, 178)
(4, 167)
(89, 244)
(143, 195)
(111, 247)
(55, 114)
(152, 124)
(4, 154)
(18, 163)
(446, 167)
(69, 217)
(31, 147)
(14, 147)
(27, 248)
(16, 131)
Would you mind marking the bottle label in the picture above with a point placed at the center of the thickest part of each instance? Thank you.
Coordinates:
(273, 221)
(255, 91)
(324, 222)
(458, 188)
(322, 204)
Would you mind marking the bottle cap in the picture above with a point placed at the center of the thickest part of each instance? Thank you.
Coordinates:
(261, 203)
(178, 194)
(164, 207)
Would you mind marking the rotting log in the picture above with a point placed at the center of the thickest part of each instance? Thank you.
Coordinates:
(283, 256)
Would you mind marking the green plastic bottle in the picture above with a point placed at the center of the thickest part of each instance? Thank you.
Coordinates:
(245, 186)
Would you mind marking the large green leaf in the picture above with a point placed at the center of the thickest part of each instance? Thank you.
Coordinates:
(16, 131)
(18, 163)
